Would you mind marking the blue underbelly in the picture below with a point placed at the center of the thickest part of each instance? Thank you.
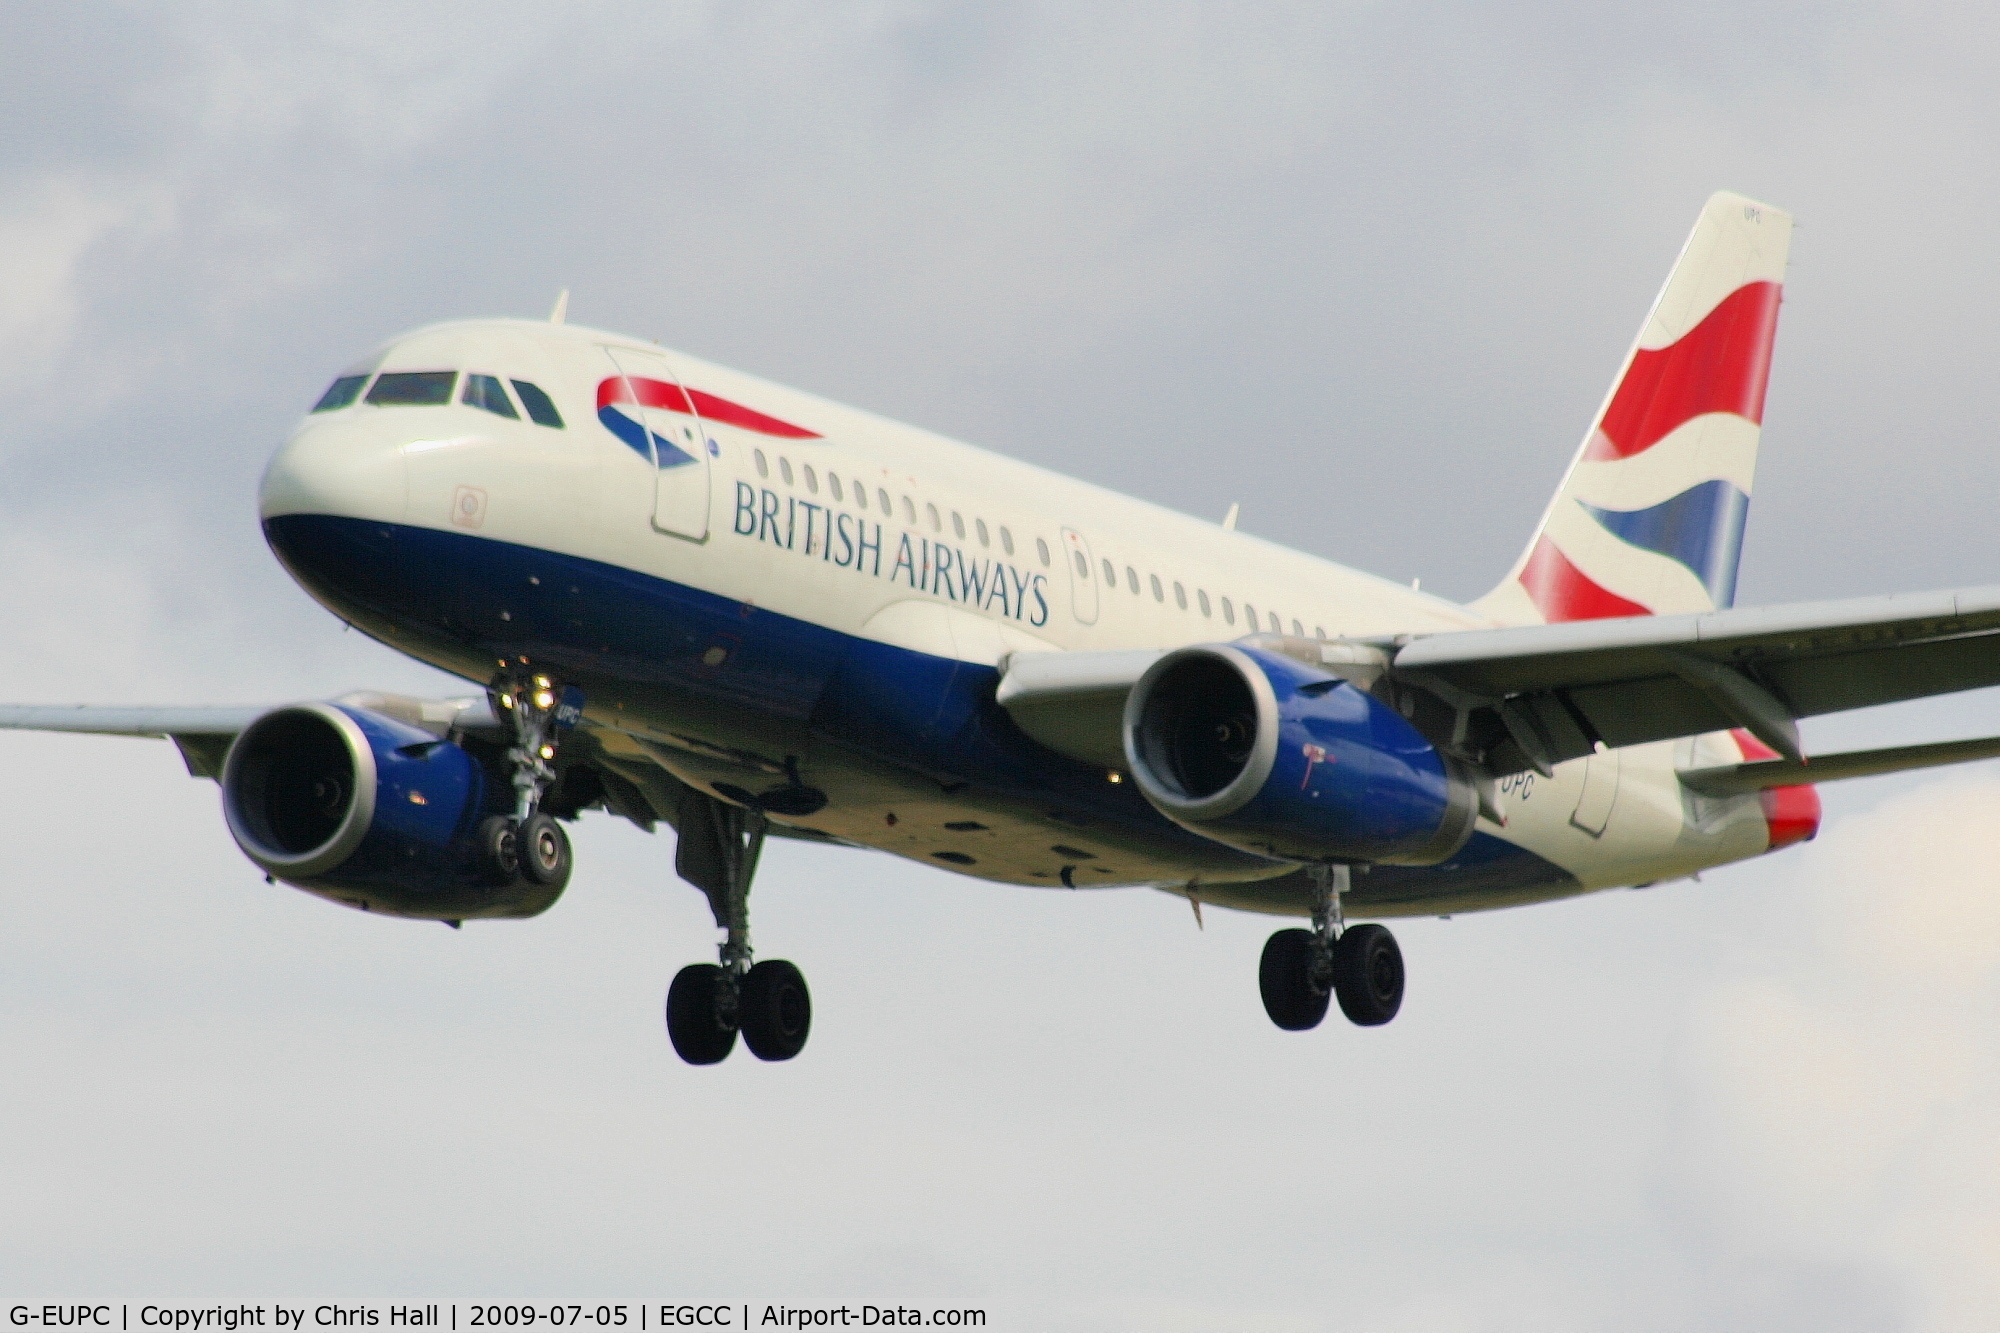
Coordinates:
(467, 603)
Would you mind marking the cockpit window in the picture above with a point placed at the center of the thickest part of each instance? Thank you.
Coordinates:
(413, 388)
(341, 393)
(485, 391)
(541, 411)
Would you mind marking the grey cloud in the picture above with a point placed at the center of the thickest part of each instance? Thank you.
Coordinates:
(1364, 268)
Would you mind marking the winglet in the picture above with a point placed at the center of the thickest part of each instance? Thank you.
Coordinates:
(561, 311)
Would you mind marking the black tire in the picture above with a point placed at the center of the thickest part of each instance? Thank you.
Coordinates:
(777, 1010)
(1368, 975)
(544, 851)
(1285, 978)
(696, 1023)
(499, 850)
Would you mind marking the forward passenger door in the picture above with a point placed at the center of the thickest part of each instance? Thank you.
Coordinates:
(675, 440)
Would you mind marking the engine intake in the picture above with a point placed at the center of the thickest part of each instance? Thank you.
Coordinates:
(366, 810)
(1259, 751)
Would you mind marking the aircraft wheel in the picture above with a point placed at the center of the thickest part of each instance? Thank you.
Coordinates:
(1368, 975)
(1285, 978)
(776, 1010)
(697, 1023)
(499, 850)
(543, 849)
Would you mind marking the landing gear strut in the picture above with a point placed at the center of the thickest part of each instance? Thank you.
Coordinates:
(530, 844)
(709, 1003)
(1302, 970)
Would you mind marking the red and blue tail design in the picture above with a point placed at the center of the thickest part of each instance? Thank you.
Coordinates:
(1649, 519)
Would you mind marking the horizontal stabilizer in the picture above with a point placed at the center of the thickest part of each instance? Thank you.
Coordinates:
(1736, 779)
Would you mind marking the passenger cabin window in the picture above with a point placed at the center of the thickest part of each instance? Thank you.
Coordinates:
(1249, 617)
(763, 468)
(341, 393)
(1082, 565)
(1132, 580)
(882, 497)
(484, 391)
(1042, 550)
(931, 513)
(957, 525)
(812, 479)
(1007, 541)
(980, 525)
(1110, 574)
(1298, 629)
(1277, 627)
(1180, 596)
(1319, 632)
(1228, 612)
(541, 408)
(1201, 595)
(833, 484)
(785, 469)
(413, 388)
(909, 512)
(1159, 595)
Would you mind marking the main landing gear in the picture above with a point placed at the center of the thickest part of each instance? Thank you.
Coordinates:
(708, 1004)
(528, 844)
(1303, 969)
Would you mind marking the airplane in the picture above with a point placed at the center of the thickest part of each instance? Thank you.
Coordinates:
(689, 596)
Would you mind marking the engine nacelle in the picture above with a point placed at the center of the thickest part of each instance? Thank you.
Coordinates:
(1259, 751)
(368, 811)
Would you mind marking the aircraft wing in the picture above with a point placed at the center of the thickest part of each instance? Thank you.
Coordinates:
(1534, 696)
(1557, 690)
(636, 786)
(203, 735)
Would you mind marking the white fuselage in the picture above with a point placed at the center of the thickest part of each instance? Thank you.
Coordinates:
(848, 549)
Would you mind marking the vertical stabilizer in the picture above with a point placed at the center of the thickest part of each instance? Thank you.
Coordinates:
(1649, 518)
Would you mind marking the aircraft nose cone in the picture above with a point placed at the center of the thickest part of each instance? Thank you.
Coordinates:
(348, 468)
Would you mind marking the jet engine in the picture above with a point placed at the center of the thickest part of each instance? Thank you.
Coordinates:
(1260, 751)
(371, 812)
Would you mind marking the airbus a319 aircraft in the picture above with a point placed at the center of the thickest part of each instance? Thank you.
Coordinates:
(697, 598)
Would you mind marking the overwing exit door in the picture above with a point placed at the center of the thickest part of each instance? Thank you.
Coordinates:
(664, 421)
(1082, 577)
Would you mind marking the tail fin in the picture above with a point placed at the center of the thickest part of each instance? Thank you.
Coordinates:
(1649, 518)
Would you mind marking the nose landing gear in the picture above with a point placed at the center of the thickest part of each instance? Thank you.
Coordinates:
(708, 1004)
(1302, 970)
(530, 844)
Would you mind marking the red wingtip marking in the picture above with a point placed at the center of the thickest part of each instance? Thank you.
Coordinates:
(1791, 814)
(1720, 365)
(673, 398)
(1563, 592)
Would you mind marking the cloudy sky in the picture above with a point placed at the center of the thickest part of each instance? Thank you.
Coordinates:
(1363, 268)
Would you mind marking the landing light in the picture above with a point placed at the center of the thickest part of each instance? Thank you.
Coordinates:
(506, 701)
(1115, 776)
(548, 752)
(543, 699)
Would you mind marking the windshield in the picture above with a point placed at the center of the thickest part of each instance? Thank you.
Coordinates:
(341, 393)
(414, 388)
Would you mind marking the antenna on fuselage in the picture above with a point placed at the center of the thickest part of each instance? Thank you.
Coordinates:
(1229, 519)
(561, 310)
